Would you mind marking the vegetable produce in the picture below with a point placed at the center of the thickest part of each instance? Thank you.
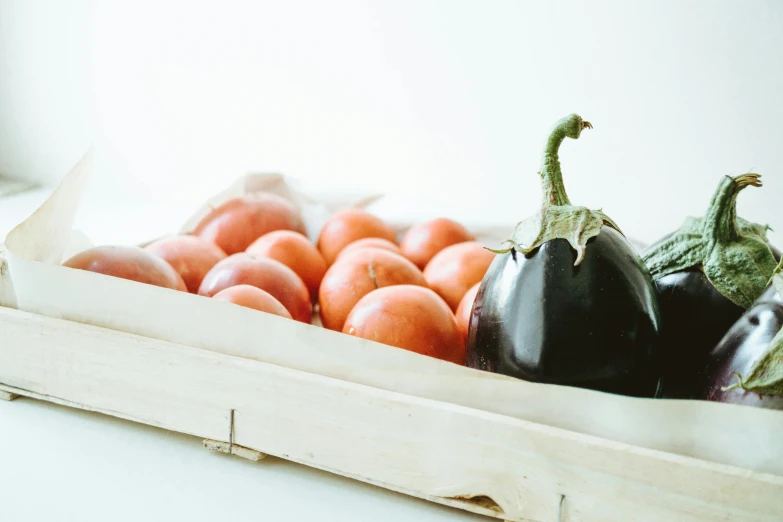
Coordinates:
(235, 224)
(264, 273)
(370, 242)
(569, 301)
(410, 317)
(356, 275)
(747, 365)
(422, 241)
(707, 274)
(128, 262)
(296, 252)
(252, 297)
(465, 308)
(191, 256)
(348, 226)
(455, 269)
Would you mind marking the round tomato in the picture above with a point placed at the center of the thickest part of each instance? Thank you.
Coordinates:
(356, 275)
(235, 224)
(370, 242)
(348, 226)
(191, 256)
(455, 269)
(296, 252)
(410, 317)
(421, 242)
(128, 262)
(252, 297)
(264, 273)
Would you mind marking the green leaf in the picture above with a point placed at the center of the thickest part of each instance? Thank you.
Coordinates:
(777, 277)
(577, 225)
(678, 252)
(740, 270)
(766, 376)
(732, 252)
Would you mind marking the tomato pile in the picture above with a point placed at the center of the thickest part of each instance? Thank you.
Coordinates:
(253, 251)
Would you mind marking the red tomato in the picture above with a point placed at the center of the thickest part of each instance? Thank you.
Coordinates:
(356, 275)
(455, 269)
(191, 256)
(370, 242)
(264, 273)
(128, 262)
(252, 297)
(346, 227)
(296, 252)
(465, 308)
(424, 240)
(409, 317)
(238, 222)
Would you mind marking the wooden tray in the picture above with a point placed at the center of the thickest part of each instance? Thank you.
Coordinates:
(482, 462)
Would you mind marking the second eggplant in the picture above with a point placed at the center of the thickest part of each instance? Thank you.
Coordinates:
(707, 274)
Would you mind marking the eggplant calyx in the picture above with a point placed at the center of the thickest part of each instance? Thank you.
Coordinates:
(733, 253)
(574, 224)
(558, 218)
(777, 277)
(766, 376)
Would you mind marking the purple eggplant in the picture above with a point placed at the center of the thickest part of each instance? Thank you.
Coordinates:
(746, 367)
(707, 274)
(570, 302)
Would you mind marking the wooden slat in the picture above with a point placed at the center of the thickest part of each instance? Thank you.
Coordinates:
(233, 449)
(513, 469)
(7, 396)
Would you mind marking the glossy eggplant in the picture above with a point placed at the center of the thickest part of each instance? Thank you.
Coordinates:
(740, 351)
(746, 367)
(707, 274)
(570, 302)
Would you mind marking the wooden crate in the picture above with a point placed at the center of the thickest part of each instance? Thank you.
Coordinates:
(469, 439)
(482, 462)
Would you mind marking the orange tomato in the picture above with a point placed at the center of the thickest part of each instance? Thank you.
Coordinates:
(239, 221)
(128, 262)
(252, 297)
(348, 226)
(455, 269)
(409, 317)
(465, 308)
(191, 256)
(296, 252)
(356, 275)
(371, 242)
(264, 273)
(424, 240)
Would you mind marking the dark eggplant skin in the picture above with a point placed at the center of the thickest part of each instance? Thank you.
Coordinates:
(539, 318)
(695, 317)
(745, 342)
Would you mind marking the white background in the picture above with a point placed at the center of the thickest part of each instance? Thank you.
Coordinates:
(449, 101)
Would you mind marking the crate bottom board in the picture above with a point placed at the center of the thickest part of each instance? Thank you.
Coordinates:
(512, 469)
(480, 505)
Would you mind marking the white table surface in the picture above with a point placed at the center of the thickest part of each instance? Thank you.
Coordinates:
(58, 463)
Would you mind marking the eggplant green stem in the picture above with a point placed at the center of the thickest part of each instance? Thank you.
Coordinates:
(720, 223)
(733, 253)
(558, 218)
(551, 175)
